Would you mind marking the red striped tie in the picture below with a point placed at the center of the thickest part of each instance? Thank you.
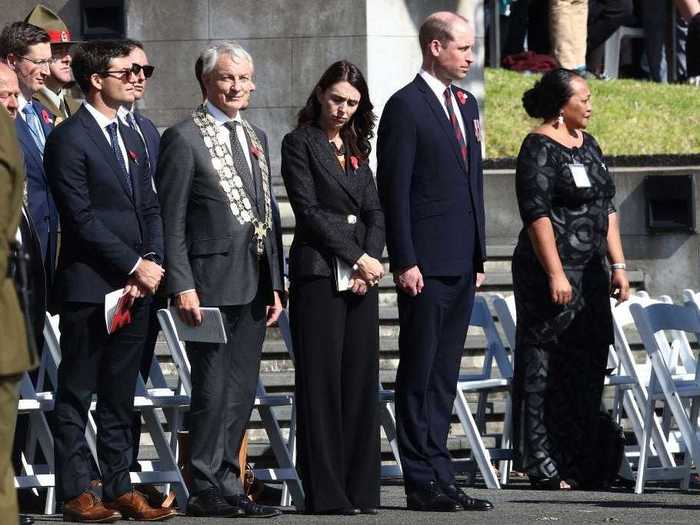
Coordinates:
(455, 124)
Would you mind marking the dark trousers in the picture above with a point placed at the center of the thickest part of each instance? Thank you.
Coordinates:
(145, 369)
(604, 17)
(224, 379)
(336, 344)
(431, 343)
(94, 362)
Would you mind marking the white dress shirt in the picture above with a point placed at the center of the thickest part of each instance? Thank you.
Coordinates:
(225, 135)
(104, 121)
(437, 87)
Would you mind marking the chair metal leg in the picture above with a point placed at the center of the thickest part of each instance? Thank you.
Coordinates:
(481, 454)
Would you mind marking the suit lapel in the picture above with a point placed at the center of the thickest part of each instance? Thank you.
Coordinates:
(470, 134)
(24, 135)
(439, 113)
(43, 112)
(96, 135)
(326, 156)
(130, 137)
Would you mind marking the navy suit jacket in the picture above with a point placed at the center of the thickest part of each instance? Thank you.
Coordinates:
(433, 202)
(150, 133)
(42, 208)
(105, 228)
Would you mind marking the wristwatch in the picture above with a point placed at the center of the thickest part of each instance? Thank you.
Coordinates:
(153, 257)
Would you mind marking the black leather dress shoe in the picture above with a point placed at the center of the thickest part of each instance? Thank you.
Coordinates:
(25, 520)
(369, 510)
(467, 502)
(430, 498)
(210, 503)
(252, 509)
(346, 511)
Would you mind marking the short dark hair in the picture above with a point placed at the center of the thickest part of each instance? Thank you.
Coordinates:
(133, 43)
(94, 57)
(436, 28)
(358, 132)
(16, 38)
(549, 94)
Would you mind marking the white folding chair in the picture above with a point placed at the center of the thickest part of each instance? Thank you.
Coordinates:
(679, 395)
(35, 405)
(264, 403)
(483, 383)
(163, 470)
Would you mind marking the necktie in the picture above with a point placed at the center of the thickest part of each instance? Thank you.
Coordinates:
(239, 160)
(455, 124)
(34, 126)
(112, 129)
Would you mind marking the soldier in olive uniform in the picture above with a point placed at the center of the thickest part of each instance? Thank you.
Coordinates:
(14, 354)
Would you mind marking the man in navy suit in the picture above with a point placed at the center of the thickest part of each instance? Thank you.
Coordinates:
(26, 49)
(113, 238)
(430, 182)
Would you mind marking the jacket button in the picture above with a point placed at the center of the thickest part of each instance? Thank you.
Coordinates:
(352, 219)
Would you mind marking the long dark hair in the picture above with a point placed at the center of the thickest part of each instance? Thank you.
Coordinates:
(358, 131)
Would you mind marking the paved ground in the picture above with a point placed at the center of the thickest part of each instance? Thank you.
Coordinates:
(517, 506)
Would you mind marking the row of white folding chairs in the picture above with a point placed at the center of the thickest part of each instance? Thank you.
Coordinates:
(674, 382)
(631, 381)
(495, 376)
(37, 398)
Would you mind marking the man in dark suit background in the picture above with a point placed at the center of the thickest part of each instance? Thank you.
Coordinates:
(214, 186)
(430, 183)
(112, 239)
(147, 132)
(25, 48)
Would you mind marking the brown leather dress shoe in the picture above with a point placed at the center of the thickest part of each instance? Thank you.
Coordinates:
(134, 505)
(87, 508)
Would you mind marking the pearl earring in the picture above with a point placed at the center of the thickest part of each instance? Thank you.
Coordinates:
(560, 119)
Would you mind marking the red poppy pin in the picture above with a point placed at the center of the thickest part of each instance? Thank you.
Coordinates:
(46, 116)
(354, 162)
(133, 156)
(255, 152)
(462, 97)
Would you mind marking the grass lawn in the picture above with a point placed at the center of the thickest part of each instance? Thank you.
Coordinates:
(629, 117)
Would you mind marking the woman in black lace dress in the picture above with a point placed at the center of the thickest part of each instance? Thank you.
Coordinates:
(562, 288)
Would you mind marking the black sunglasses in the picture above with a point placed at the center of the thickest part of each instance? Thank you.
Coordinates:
(135, 69)
(147, 70)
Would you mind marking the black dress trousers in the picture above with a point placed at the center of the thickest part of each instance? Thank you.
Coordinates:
(93, 361)
(431, 344)
(224, 379)
(336, 343)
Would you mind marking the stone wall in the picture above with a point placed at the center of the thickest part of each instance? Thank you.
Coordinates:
(291, 41)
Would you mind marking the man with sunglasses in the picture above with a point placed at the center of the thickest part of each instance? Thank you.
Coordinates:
(113, 239)
(26, 49)
(56, 95)
(130, 117)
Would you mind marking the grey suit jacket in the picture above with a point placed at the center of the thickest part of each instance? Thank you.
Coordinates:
(205, 247)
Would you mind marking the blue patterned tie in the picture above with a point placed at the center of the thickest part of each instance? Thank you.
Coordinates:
(114, 141)
(34, 126)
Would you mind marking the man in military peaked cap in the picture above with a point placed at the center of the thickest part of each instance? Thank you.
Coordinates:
(56, 95)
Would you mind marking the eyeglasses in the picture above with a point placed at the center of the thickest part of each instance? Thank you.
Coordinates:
(135, 70)
(40, 63)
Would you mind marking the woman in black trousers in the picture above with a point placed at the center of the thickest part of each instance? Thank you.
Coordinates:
(339, 223)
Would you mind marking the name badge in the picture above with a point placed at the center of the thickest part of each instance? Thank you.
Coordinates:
(578, 172)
